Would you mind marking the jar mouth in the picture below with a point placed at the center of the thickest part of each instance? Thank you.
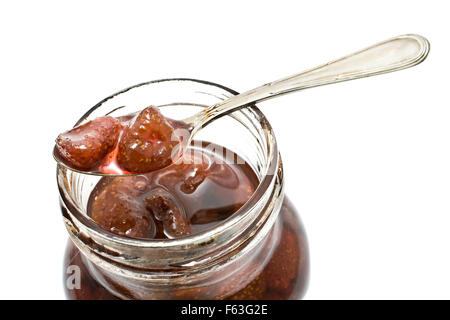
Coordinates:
(272, 171)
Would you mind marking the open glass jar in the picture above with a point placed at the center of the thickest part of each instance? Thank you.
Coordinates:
(259, 252)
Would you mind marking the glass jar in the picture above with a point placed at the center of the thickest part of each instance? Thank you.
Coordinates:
(260, 252)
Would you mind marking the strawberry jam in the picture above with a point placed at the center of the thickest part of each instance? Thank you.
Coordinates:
(137, 143)
(283, 277)
(185, 199)
(86, 146)
(191, 196)
(170, 199)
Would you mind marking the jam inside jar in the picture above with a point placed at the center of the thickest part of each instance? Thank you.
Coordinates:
(216, 226)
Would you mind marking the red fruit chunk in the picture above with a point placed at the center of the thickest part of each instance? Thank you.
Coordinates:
(191, 183)
(85, 146)
(164, 209)
(118, 208)
(146, 144)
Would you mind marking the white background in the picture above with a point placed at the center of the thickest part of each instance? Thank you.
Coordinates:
(366, 162)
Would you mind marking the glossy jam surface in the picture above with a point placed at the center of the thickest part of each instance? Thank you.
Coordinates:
(186, 198)
(283, 277)
(137, 143)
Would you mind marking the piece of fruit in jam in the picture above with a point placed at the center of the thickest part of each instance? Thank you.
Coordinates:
(165, 209)
(119, 208)
(136, 144)
(147, 143)
(85, 146)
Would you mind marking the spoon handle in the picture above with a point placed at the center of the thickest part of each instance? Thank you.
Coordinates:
(390, 55)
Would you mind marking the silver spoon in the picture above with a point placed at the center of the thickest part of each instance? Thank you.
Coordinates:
(390, 55)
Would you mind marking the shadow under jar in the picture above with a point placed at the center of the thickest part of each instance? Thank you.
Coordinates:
(259, 251)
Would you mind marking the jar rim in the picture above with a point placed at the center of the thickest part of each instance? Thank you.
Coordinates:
(200, 239)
